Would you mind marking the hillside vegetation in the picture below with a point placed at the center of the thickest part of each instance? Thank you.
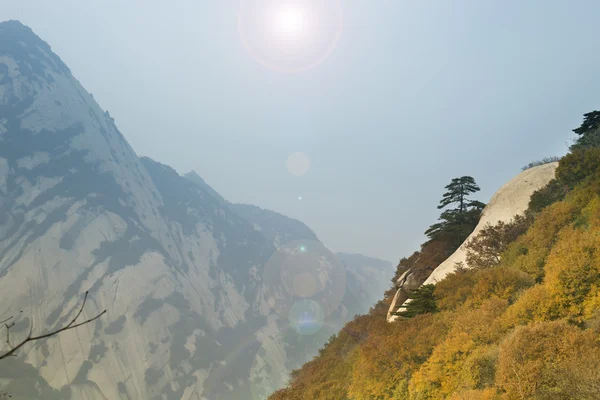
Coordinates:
(524, 323)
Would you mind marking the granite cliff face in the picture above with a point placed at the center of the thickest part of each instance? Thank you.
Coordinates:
(205, 299)
(510, 200)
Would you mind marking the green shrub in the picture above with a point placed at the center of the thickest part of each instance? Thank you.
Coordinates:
(543, 161)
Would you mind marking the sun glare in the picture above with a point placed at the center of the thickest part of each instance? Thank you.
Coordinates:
(290, 35)
(290, 21)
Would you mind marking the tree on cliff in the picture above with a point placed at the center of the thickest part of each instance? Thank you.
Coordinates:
(422, 301)
(458, 221)
(457, 192)
(589, 131)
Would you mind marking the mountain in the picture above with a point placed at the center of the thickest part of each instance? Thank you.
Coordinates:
(269, 223)
(368, 278)
(197, 180)
(277, 228)
(205, 299)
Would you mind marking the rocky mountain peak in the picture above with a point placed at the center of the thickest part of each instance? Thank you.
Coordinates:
(192, 283)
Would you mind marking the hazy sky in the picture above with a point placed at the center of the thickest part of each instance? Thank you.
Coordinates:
(416, 93)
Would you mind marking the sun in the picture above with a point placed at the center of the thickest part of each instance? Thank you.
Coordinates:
(290, 21)
(290, 35)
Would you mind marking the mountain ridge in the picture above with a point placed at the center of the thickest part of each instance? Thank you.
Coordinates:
(182, 275)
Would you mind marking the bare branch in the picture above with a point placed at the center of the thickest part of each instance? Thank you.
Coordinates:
(30, 337)
(8, 332)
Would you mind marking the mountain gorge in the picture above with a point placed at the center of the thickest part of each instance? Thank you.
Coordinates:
(205, 298)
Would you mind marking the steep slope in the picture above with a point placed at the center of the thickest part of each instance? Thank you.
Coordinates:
(524, 328)
(205, 299)
(500, 332)
(197, 180)
(80, 211)
(196, 303)
(368, 278)
(269, 223)
(275, 227)
(365, 279)
(510, 200)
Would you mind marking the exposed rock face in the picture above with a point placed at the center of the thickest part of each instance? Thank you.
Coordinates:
(195, 310)
(405, 284)
(512, 199)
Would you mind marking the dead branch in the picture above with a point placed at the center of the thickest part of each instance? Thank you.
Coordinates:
(30, 338)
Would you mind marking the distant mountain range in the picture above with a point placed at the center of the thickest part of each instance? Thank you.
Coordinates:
(206, 299)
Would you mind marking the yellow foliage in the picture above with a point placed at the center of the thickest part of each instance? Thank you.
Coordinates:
(591, 304)
(502, 332)
(542, 361)
(483, 324)
(442, 373)
(462, 361)
(536, 304)
(386, 359)
(500, 282)
(528, 253)
(590, 214)
(452, 291)
(573, 269)
(484, 394)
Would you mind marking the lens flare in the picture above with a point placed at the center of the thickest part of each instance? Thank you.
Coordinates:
(306, 317)
(298, 164)
(303, 270)
(290, 35)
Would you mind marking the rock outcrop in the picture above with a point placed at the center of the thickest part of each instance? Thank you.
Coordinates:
(510, 200)
(404, 285)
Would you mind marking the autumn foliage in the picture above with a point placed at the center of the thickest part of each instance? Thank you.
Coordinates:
(524, 326)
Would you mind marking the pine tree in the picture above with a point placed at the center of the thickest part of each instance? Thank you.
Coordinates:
(422, 302)
(457, 222)
(589, 131)
(457, 193)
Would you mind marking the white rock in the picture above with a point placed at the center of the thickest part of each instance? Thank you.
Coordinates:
(512, 199)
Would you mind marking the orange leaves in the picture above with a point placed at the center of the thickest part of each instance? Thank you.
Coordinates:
(501, 331)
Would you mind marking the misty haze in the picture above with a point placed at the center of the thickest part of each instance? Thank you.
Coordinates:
(299, 199)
